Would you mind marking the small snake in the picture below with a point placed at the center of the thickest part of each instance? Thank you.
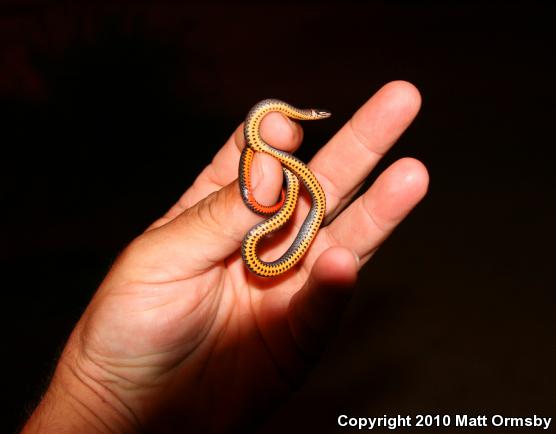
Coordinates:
(294, 170)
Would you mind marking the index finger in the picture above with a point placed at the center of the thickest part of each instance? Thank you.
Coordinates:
(347, 159)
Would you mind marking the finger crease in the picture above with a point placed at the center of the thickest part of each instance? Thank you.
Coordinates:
(332, 240)
(371, 217)
(330, 186)
(360, 138)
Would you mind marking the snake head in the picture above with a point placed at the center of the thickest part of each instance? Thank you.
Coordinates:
(321, 114)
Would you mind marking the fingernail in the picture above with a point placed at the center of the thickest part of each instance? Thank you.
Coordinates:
(356, 256)
(257, 172)
(293, 126)
(290, 122)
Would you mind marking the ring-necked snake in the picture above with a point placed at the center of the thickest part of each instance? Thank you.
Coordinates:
(294, 170)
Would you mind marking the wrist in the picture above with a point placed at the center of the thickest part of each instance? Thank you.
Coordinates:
(76, 402)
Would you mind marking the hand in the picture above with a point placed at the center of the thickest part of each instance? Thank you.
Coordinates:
(180, 336)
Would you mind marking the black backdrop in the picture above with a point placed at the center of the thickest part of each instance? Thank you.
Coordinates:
(108, 113)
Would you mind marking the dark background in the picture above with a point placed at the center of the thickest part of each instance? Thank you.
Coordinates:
(107, 113)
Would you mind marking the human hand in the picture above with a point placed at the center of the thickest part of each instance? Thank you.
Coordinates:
(180, 336)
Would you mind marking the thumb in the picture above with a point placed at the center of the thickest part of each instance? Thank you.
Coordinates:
(214, 228)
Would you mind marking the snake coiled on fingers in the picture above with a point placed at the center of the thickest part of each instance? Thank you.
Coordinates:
(294, 171)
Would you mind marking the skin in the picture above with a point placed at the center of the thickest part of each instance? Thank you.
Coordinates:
(180, 337)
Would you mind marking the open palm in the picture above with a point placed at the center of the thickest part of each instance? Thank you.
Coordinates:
(181, 336)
